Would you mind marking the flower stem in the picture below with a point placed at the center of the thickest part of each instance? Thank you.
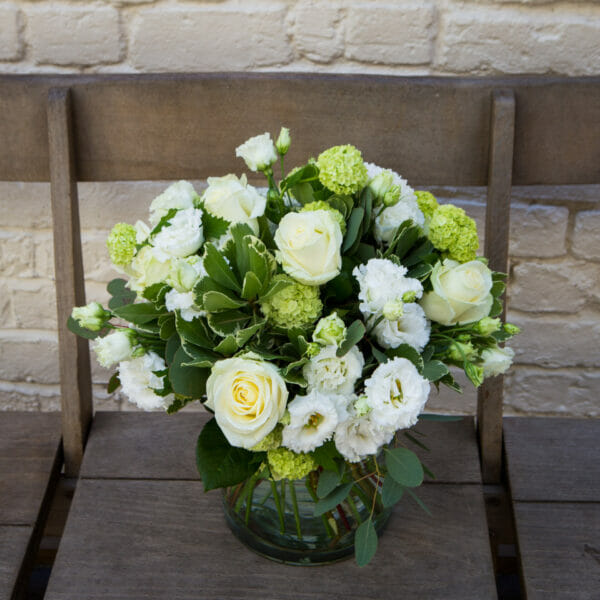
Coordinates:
(277, 500)
(295, 507)
(313, 495)
(353, 509)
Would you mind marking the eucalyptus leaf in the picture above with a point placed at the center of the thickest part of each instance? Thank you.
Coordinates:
(391, 492)
(408, 352)
(442, 418)
(354, 334)
(365, 542)
(354, 227)
(140, 313)
(328, 481)
(404, 466)
(326, 456)
(329, 502)
(187, 381)
(74, 327)
(434, 370)
(303, 192)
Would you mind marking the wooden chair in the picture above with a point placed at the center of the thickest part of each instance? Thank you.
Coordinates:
(140, 525)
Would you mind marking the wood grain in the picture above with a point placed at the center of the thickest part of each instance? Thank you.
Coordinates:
(13, 548)
(432, 130)
(560, 550)
(74, 358)
(167, 539)
(553, 459)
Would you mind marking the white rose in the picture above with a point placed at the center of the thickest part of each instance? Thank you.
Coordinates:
(313, 419)
(182, 236)
(390, 218)
(461, 292)
(248, 398)
(184, 302)
(234, 200)
(410, 328)
(179, 195)
(309, 246)
(139, 381)
(396, 393)
(496, 360)
(114, 347)
(147, 268)
(333, 374)
(259, 152)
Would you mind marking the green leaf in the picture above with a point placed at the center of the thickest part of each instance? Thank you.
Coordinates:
(420, 272)
(391, 492)
(219, 463)
(227, 346)
(178, 404)
(307, 172)
(434, 370)
(418, 501)
(366, 201)
(354, 334)
(404, 466)
(198, 357)
(75, 328)
(113, 383)
(303, 192)
(213, 227)
(496, 309)
(156, 293)
(265, 233)
(227, 321)
(328, 481)
(121, 294)
(260, 261)
(217, 301)
(416, 441)
(448, 381)
(274, 288)
(418, 254)
(354, 227)
(365, 542)
(239, 231)
(252, 286)
(498, 289)
(295, 378)
(326, 456)
(408, 352)
(173, 344)
(163, 222)
(187, 381)
(218, 269)
(442, 418)
(140, 313)
(193, 331)
(332, 499)
(167, 327)
(243, 335)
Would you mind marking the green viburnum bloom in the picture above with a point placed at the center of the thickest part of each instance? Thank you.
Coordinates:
(285, 464)
(330, 331)
(342, 170)
(270, 442)
(322, 205)
(459, 351)
(297, 305)
(427, 203)
(453, 232)
(487, 325)
(121, 244)
(91, 316)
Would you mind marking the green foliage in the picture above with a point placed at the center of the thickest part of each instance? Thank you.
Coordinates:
(213, 227)
(404, 466)
(335, 497)
(408, 352)
(433, 370)
(328, 481)
(354, 334)
(178, 403)
(327, 456)
(138, 314)
(218, 270)
(219, 463)
(365, 542)
(391, 492)
(75, 328)
(121, 295)
(114, 383)
(187, 381)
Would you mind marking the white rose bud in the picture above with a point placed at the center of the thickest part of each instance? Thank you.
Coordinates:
(114, 347)
(496, 360)
(258, 152)
(283, 141)
(248, 397)
(461, 292)
(92, 316)
(393, 310)
(330, 330)
(309, 246)
(179, 195)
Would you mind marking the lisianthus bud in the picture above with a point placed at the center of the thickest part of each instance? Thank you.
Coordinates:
(283, 141)
(487, 325)
(459, 351)
(313, 349)
(409, 296)
(362, 406)
(92, 316)
(381, 184)
(121, 243)
(392, 196)
(258, 152)
(511, 329)
(330, 330)
(393, 310)
(115, 347)
(475, 374)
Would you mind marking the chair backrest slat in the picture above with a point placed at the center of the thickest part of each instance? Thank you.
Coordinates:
(74, 358)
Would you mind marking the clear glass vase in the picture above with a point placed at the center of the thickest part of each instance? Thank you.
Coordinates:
(277, 518)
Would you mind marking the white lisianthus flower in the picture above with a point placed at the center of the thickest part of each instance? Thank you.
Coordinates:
(412, 328)
(461, 292)
(382, 281)
(248, 398)
(313, 419)
(258, 152)
(92, 316)
(179, 195)
(333, 374)
(138, 380)
(359, 436)
(330, 330)
(234, 200)
(114, 347)
(397, 394)
(309, 246)
(149, 266)
(182, 236)
(496, 360)
(183, 302)
(186, 272)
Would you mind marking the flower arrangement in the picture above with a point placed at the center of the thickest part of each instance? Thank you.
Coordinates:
(310, 320)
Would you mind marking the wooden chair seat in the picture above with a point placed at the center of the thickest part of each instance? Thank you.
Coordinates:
(30, 461)
(141, 526)
(554, 477)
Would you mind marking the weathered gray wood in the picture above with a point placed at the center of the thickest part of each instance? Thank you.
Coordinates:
(560, 550)
(74, 361)
(552, 459)
(432, 130)
(161, 539)
(497, 224)
(13, 548)
(29, 459)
